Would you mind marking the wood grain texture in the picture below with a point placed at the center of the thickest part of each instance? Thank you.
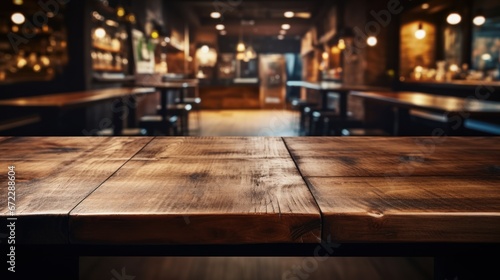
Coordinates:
(394, 157)
(53, 175)
(419, 189)
(430, 209)
(74, 99)
(201, 191)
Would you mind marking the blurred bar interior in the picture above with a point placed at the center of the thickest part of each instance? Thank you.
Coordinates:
(283, 68)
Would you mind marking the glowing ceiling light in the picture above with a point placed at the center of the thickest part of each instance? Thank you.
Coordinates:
(289, 14)
(454, 18)
(285, 26)
(479, 20)
(425, 6)
(220, 27)
(17, 18)
(215, 15)
(241, 47)
(372, 41)
(420, 33)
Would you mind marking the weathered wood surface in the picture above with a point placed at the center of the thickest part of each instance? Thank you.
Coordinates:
(229, 190)
(386, 156)
(53, 175)
(450, 194)
(201, 191)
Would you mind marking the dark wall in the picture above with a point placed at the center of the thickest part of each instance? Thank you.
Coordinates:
(227, 44)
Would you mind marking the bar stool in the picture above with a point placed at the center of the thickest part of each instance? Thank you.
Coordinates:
(181, 111)
(329, 123)
(195, 103)
(304, 108)
(322, 123)
(155, 124)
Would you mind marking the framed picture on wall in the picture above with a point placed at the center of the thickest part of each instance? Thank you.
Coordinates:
(143, 53)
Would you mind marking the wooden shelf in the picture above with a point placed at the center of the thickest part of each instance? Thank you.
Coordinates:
(108, 69)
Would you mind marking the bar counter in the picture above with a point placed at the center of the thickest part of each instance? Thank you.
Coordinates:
(228, 190)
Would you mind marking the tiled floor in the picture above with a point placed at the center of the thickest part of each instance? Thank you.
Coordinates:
(245, 123)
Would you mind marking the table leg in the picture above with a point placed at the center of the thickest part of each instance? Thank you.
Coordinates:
(163, 103)
(324, 100)
(343, 108)
(118, 112)
(401, 120)
(132, 109)
(456, 124)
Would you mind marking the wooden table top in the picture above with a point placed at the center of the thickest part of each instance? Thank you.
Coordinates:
(202, 191)
(237, 190)
(432, 102)
(73, 99)
(172, 84)
(333, 86)
(54, 174)
(419, 189)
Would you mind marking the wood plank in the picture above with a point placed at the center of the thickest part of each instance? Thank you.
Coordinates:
(430, 209)
(53, 175)
(214, 148)
(377, 156)
(235, 191)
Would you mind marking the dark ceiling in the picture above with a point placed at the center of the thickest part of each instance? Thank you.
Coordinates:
(253, 17)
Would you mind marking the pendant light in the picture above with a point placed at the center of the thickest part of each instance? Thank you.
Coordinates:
(420, 33)
(240, 48)
(479, 19)
(454, 18)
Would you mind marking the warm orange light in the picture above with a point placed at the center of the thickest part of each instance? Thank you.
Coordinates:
(341, 44)
(120, 11)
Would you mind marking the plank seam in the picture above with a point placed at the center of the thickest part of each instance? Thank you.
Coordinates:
(308, 186)
(104, 181)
